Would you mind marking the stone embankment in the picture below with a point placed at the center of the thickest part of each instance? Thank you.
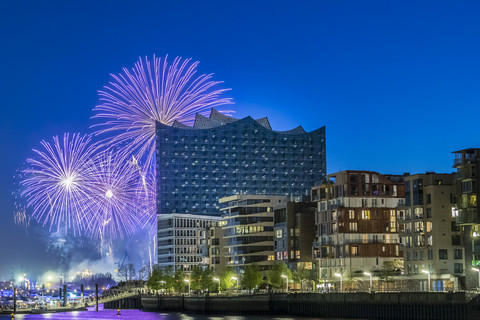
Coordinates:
(394, 306)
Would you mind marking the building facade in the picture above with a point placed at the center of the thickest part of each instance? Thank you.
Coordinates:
(248, 230)
(221, 156)
(217, 246)
(182, 240)
(294, 231)
(467, 214)
(356, 223)
(431, 241)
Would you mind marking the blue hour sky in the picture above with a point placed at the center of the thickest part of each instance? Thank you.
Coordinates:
(396, 83)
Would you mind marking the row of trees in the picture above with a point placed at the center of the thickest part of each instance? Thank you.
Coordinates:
(170, 280)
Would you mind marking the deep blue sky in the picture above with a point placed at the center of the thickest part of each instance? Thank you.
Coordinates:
(397, 83)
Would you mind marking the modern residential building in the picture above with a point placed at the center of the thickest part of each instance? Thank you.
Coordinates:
(356, 223)
(467, 214)
(431, 241)
(217, 246)
(295, 232)
(221, 156)
(182, 240)
(248, 230)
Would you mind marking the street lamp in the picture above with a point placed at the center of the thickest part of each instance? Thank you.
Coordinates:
(341, 278)
(218, 280)
(428, 273)
(370, 275)
(188, 281)
(477, 270)
(284, 276)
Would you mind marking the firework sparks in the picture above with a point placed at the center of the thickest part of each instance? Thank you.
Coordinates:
(55, 182)
(153, 91)
(112, 198)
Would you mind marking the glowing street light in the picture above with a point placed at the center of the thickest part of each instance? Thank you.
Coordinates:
(338, 275)
(285, 277)
(428, 273)
(188, 281)
(477, 270)
(218, 280)
(236, 279)
(371, 282)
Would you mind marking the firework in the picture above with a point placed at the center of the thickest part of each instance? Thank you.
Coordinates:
(56, 182)
(153, 91)
(113, 204)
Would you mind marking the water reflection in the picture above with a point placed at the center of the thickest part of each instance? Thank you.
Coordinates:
(133, 315)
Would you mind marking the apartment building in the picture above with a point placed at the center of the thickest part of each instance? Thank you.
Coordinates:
(356, 223)
(431, 240)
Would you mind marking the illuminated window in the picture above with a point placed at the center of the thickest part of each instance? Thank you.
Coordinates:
(473, 200)
(365, 238)
(351, 214)
(366, 214)
(429, 226)
(353, 226)
(354, 251)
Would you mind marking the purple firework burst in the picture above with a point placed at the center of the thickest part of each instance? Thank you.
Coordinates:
(56, 182)
(114, 207)
(149, 92)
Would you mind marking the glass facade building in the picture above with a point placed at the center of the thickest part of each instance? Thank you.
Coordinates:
(221, 156)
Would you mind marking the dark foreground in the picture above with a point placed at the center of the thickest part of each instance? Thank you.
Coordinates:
(134, 315)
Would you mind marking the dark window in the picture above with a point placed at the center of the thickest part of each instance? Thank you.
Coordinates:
(428, 200)
(458, 267)
(429, 212)
(455, 240)
(453, 198)
(457, 253)
(455, 227)
(442, 254)
(407, 194)
(430, 254)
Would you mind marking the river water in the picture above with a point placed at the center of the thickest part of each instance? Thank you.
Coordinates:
(133, 315)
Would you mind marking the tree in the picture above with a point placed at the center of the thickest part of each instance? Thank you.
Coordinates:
(274, 277)
(168, 278)
(127, 272)
(300, 276)
(206, 281)
(389, 270)
(143, 273)
(252, 277)
(226, 281)
(179, 281)
(153, 281)
(195, 278)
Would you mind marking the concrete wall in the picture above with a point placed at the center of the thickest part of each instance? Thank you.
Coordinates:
(395, 306)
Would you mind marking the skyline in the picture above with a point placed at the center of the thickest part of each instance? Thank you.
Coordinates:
(381, 77)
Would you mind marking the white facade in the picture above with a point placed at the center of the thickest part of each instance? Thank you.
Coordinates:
(182, 240)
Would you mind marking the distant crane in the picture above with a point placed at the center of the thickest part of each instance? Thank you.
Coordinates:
(121, 262)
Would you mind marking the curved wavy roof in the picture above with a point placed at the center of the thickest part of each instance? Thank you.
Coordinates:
(217, 119)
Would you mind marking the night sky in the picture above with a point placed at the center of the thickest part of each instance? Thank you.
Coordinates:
(396, 83)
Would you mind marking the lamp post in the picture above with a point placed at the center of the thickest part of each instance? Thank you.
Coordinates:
(218, 280)
(285, 277)
(341, 280)
(236, 279)
(371, 282)
(188, 281)
(428, 273)
(478, 271)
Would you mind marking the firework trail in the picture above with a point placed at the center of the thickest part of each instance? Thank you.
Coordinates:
(56, 182)
(149, 92)
(113, 202)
